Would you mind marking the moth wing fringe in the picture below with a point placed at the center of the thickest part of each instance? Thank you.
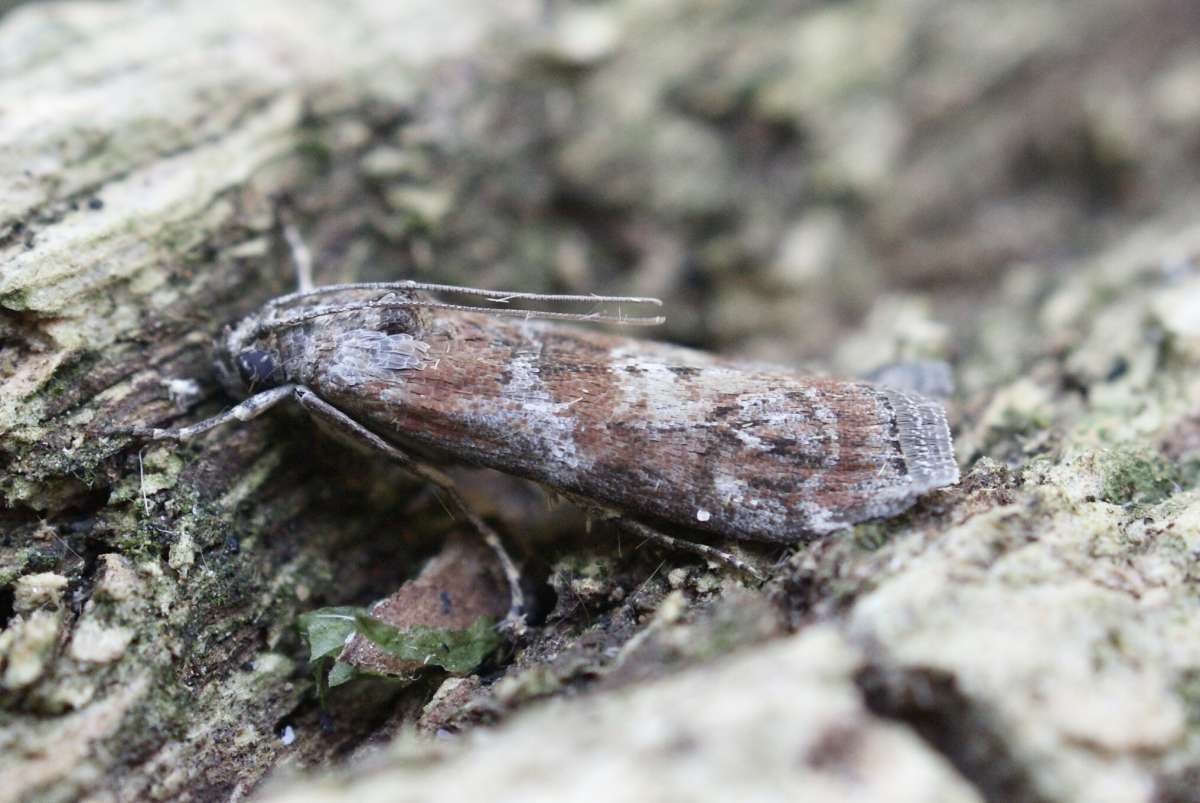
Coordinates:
(924, 440)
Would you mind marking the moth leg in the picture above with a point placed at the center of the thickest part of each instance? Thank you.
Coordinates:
(703, 550)
(514, 621)
(250, 408)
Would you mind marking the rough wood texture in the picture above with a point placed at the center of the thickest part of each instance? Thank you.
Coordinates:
(1011, 189)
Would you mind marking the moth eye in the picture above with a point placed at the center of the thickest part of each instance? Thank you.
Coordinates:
(255, 366)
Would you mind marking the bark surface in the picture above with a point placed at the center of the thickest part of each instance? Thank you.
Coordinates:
(833, 185)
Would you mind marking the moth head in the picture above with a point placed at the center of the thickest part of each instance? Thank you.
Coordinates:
(245, 361)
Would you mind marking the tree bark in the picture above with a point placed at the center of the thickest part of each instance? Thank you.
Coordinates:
(852, 184)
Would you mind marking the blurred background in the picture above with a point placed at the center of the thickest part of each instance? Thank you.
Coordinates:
(778, 172)
(785, 173)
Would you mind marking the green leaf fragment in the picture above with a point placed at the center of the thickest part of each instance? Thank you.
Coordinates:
(341, 673)
(455, 650)
(327, 629)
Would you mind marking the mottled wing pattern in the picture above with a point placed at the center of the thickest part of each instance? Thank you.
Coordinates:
(658, 431)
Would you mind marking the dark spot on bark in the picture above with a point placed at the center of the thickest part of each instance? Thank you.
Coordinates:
(835, 750)
(724, 410)
(445, 599)
(683, 371)
(7, 605)
(634, 369)
(679, 744)
(95, 203)
(930, 702)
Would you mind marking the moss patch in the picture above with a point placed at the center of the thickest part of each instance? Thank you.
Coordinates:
(1138, 476)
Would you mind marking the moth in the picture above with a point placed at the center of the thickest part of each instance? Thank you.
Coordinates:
(644, 433)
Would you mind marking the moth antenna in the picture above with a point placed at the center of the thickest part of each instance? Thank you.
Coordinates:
(496, 296)
(504, 296)
(297, 318)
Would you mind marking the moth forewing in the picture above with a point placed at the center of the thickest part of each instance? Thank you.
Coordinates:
(655, 431)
